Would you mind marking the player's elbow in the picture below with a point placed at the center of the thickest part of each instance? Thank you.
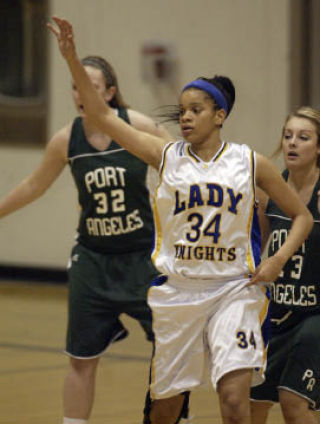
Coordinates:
(310, 221)
(306, 221)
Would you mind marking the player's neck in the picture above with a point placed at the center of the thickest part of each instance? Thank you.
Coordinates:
(303, 181)
(96, 138)
(207, 149)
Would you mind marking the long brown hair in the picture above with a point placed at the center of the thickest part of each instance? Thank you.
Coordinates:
(109, 76)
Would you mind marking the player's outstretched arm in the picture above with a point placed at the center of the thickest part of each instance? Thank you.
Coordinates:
(146, 146)
(33, 186)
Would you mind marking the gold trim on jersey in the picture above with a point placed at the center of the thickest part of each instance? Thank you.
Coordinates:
(158, 232)
(222, 149)
(253, 173)
(250, 259)
(191, 154)
(262, 317)
(152, 366)
(164, 157)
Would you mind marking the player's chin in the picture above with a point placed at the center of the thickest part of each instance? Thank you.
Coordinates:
(192, 139)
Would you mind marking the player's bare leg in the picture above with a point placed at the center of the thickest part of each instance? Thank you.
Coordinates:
(259, 412)
(295, 409)
(166, 411)
(78, 393)
(234, 392)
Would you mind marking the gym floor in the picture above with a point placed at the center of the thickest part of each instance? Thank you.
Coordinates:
(33, 319)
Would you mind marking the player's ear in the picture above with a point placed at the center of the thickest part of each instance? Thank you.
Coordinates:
(220, 116)
(110, 93)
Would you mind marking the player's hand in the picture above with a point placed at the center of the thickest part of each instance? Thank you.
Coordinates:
(64, 34)
(268, 271)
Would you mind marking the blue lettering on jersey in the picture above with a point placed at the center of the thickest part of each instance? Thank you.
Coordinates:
(215, 197)
(195, 198)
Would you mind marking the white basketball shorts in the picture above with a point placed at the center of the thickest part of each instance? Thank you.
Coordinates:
(205, 330)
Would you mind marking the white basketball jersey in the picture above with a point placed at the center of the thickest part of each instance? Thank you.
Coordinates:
(205, 213)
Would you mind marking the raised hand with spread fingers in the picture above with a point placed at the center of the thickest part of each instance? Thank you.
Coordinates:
(63, 32)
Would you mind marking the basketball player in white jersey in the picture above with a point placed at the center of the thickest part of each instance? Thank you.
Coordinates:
(208, 307)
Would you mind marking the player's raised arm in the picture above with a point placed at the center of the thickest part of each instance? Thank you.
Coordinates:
(147, 147)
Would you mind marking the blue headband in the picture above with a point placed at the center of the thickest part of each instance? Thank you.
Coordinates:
(209, 88)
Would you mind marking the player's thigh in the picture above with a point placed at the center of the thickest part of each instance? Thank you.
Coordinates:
(301, 374)
(235, 336)
(92, 317)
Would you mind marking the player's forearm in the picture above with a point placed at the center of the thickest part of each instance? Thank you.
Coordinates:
(301, 227)
(19, 197)
(94, 106)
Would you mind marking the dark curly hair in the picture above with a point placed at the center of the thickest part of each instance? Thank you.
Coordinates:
(171, 113)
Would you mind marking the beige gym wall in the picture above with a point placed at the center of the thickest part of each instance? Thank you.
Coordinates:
(247, 40)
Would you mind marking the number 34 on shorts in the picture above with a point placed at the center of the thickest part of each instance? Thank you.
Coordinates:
(245, 340)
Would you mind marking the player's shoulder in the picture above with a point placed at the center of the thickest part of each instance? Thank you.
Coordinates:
(59, 142)
(145, 123)
(238, 147)
(63, 134)
(141, 121)
(239, 152)
(174, 150)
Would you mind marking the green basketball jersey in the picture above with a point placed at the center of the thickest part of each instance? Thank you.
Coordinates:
(115, 209)
(296, 292)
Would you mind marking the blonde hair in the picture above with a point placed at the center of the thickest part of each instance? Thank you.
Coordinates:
(307, 112)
